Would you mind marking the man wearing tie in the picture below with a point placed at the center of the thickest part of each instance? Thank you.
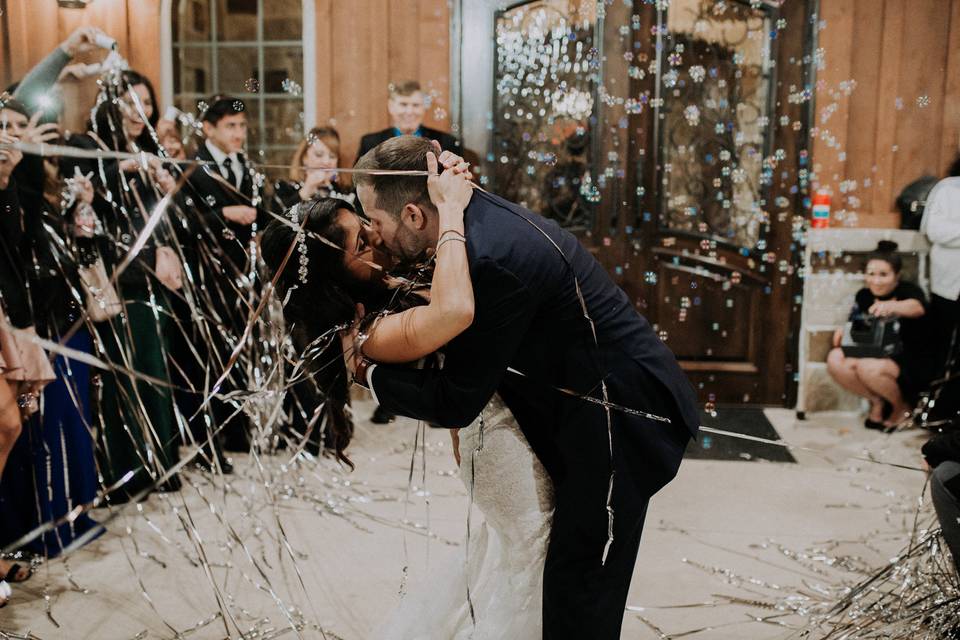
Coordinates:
(223, 194)
(225, 183)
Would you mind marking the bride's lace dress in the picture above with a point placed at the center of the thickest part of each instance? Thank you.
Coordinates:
(503, 564)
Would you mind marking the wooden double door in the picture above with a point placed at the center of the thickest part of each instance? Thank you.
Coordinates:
(710, 250)
(693, 164)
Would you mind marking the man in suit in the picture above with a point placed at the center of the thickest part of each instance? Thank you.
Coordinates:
(532, 282)
(407, 108)
(227, 227)
(226, 182)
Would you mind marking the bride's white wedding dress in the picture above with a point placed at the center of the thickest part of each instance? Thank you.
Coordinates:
(503, 564)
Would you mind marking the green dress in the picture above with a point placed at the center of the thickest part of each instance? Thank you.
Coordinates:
(138, 424)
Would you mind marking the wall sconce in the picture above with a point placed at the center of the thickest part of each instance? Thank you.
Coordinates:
(74, 4)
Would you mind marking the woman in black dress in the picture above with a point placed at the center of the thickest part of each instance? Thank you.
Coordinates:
(890, 384)
(313, 171)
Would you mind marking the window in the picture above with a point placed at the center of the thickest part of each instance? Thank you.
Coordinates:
(236, 47)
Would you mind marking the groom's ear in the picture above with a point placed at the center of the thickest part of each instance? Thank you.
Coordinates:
(413, 217)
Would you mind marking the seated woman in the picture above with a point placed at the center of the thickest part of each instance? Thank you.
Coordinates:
(890, 384)
(340, 277)
(313, 171)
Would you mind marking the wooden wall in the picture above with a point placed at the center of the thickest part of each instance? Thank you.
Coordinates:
(36, 27)
(361, 46)
(901, 118)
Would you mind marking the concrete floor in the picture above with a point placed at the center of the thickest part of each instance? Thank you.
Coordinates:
(721, 529)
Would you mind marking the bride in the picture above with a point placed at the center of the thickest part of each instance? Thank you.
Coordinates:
(333, 275)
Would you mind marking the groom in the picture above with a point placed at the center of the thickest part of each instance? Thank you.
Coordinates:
(529, 339)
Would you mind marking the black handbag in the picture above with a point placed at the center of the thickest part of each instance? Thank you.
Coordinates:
(867, 336)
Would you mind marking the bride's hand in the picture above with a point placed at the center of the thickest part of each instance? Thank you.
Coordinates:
(451, 161)
(451, 189)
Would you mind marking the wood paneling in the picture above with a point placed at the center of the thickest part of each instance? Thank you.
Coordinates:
(950, 127)
(361, 46)
(365, 45)
(887, 98)
(36, 27)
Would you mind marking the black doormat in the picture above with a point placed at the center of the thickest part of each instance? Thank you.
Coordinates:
(746, 420)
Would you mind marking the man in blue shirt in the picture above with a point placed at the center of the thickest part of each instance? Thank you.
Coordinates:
(407, 108)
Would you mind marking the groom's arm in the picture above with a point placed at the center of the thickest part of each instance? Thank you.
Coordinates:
(474, 362)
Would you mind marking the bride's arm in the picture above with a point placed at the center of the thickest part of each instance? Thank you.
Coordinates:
(416, 332)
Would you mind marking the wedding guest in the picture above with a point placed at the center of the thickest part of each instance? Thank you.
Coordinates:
(60, 438)
(24, 368)
(64, 437)
(890, 384)
(224, 191)
(407, 107)
(941, 225)
(33, 90)
(138, 423)
(313, 171)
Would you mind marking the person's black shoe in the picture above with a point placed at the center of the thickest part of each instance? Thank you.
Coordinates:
(872, 424)
(381, 416)
(172, 485)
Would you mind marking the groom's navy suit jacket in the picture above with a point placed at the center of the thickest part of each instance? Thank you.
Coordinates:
(529, 318)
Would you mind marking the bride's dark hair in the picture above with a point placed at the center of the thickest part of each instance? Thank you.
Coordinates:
(314, 308)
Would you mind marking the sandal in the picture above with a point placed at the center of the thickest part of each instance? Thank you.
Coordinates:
(873, 424)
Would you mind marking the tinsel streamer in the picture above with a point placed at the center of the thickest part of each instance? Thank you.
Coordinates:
(476, 451)
(63, 151)
(847, 616)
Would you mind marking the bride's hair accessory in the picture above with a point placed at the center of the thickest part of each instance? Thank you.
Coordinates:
(301, 239)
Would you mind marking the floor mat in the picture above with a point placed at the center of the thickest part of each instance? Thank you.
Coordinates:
(746, 420)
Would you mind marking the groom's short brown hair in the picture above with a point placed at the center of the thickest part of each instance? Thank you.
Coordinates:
(399, 153)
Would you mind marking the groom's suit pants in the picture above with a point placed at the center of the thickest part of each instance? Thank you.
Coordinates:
(583, 596)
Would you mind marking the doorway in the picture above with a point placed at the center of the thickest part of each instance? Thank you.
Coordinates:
(710, 249)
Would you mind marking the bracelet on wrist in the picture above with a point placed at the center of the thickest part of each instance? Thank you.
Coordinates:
(451, 231)
(441, 243)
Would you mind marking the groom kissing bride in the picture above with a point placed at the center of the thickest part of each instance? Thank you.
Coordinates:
(571, 412)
